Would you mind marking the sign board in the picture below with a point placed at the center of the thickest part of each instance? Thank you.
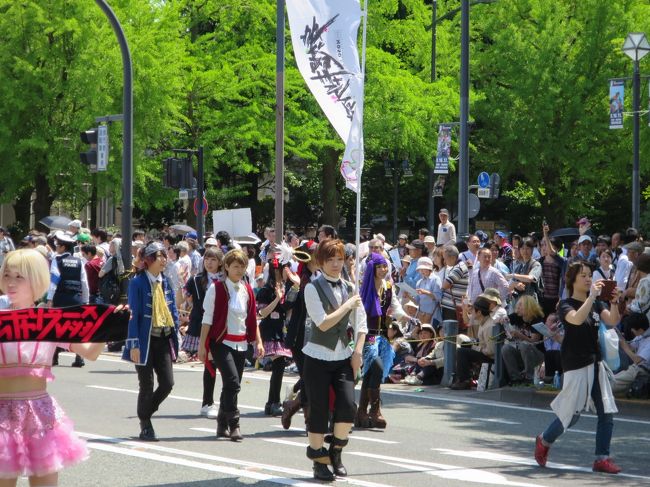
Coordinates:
(204, 209)
(484, 180)
(102, 147)
(483, 192)
(183, 194)
(474, 206)
(237, 222)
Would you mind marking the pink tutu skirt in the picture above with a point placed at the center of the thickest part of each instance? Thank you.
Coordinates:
(36, 437)
(273, 348)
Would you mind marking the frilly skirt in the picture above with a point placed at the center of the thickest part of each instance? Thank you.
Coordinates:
(36, 437)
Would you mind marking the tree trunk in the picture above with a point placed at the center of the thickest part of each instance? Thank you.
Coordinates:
(22, 210)
(44, 198)
(328, 192)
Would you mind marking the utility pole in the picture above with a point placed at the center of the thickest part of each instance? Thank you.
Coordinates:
(127, 143)
(463, 172)
(279, 122)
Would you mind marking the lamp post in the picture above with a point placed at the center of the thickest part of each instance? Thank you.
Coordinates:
(636, 46)
(394, 169)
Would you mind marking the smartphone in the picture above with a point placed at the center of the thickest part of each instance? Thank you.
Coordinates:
(607, 289)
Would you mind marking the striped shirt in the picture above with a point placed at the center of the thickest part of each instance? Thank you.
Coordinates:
(458, 277)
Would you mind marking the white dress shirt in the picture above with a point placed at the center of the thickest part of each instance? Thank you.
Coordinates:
(316, 313)
(237, 310)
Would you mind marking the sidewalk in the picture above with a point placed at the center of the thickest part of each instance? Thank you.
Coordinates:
(522, 396)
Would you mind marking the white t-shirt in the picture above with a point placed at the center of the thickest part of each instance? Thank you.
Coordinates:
(446, 233)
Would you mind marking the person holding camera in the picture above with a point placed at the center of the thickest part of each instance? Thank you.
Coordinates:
(585, 384)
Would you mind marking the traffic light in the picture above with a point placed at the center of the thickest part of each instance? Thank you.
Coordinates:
(495, 185)
(178, 173)
(89, 157)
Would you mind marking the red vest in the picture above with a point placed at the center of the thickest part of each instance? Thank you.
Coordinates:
(219, 326)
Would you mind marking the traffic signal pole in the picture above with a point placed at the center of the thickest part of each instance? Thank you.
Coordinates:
(127, 143)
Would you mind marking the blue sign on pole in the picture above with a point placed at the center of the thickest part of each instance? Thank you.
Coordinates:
(484, 180)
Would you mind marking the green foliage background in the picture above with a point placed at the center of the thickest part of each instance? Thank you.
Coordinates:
(205, 75)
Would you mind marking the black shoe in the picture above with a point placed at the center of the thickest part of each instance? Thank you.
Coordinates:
(276, 409)
(321, 472)
(78, 363)
(148, 434)
(267, 409)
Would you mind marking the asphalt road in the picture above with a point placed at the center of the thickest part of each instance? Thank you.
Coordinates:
(434, 437)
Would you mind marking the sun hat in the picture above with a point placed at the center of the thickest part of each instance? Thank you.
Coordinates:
(424, 263)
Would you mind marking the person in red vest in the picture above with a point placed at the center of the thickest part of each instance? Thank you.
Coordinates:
(229, 324)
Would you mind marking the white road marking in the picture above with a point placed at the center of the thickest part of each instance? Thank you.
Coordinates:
(171, 396)
(351, 437)
(500, 457)
(495, 404)
(285, 442)
(501, 421)
(188, 367)
(583, 432)
(387, 391)
(465, 475)
(135, 448)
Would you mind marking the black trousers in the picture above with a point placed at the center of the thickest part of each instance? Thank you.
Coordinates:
(231, 366)
(299, 359)
(319, 375)
(465, 357)
(159, 362)
(208, 386)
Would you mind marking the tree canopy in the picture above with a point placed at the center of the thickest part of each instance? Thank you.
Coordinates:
(205, 75)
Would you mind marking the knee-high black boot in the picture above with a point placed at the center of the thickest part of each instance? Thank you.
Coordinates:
(336, 448)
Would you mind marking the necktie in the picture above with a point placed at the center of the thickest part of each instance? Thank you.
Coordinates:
(336, 283)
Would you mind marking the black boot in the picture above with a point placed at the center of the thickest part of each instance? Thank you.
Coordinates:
(78, 362)
(146, 431)
(336, 447)
(222, 425)
(321, 460)
(233, 424)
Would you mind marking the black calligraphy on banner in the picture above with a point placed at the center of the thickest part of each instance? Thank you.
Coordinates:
(76, 324)
(326, 68)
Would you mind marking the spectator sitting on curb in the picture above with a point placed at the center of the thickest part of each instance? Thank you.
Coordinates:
(638, 350)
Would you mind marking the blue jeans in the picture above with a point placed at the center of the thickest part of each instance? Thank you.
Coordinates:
(603, 430)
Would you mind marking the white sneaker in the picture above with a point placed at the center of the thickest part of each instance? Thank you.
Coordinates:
(210, 412)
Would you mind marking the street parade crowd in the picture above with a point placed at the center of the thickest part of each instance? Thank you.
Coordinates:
(569, 310)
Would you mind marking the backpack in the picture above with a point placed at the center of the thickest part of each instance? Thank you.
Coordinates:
(640, 387)
(109, 288)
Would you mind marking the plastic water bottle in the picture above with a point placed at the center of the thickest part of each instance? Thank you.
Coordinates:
(557, 380)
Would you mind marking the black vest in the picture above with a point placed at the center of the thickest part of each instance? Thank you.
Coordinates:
(68, 291)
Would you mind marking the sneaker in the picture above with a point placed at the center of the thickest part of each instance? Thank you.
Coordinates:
(606, 466)
(210, 411)
(541, 452)
(413, 380)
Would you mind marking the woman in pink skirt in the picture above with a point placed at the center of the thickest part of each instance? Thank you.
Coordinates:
(36, 438)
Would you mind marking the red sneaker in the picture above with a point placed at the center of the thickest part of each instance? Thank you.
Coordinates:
(541, 452)
(606, 466)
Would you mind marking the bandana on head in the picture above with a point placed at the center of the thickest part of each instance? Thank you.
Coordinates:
(369, 294)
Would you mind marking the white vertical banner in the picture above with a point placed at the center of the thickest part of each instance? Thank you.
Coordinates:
(324, 36)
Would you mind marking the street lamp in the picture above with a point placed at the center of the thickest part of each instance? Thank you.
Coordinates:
(636, 46)
(393, 169)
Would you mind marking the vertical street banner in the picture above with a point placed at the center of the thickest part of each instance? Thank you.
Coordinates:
(616, 103)
(324, 37)
(444, 146)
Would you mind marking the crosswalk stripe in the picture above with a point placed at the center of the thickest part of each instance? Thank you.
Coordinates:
(171, 396)
(351, 437)
(500, 457)
(135, 448)
(465, 475)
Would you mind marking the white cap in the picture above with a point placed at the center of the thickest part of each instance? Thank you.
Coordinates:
(424, 263)
(75, 223)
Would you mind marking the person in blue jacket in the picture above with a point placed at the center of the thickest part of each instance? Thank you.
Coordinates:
(152, 341)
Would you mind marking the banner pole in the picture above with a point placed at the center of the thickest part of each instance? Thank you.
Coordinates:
(360, 170)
